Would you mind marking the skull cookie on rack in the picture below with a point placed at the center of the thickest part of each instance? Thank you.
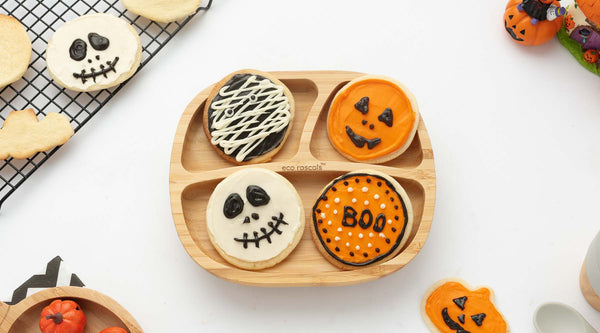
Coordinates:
(93, 52)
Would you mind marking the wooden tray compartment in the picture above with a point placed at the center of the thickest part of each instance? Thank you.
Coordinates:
(309, 162)
(101, 311)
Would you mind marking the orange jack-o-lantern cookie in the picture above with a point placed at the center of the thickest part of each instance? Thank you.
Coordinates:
(452, 307)
(372, 119)
(361, 218)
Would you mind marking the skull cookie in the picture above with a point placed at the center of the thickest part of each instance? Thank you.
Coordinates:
(372, 119)
(361, 218)
(255, 218)
(93, 52)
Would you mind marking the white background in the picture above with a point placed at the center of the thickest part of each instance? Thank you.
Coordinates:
(515, 132)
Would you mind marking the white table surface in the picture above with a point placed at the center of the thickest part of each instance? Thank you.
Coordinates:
(515, 132)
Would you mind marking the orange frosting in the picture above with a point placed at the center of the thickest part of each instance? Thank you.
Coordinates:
(382, 94)
(477, 302)
(353, 240)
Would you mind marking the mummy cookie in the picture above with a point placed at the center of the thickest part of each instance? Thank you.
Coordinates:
(162, 10)
(255, 218)
(248, 116)
(93, 52)
(22, 136)
(372, 119)
(452, 307)
(361, 218)
(15, 48)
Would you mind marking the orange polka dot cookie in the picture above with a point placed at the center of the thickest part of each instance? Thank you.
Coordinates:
(361, 218)
(372, 119)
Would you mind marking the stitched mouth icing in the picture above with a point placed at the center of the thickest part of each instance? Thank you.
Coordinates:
(93, 74)
(265, 235)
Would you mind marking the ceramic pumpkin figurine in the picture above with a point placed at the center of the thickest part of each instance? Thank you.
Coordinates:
(581, 33)
(113, 330)
(532, 22)
(62, 317)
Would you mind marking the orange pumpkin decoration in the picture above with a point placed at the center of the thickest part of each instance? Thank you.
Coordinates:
(591, 56)
(590, 9)
(62, 317)
(569, 22)
(113, 330)
(451, 307)
(520, 28)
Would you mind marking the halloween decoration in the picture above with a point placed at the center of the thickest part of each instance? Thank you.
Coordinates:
(248, 116)
(581, 33)
(372, 119)
(15, 49)
(361, 218)
(93, 52)
(114, 330)
(162, 10)
(451, 307)
(533, 22)
(22, 135)
(255, 218)
(62, 316)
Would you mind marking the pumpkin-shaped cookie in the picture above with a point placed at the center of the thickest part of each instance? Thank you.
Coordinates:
(528, 22)
(372, 119)
(361, 218)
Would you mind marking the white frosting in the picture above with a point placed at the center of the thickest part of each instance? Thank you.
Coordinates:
(124, 43)
(283, 200)
(231, 117)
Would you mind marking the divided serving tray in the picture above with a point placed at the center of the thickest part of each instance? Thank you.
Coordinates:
(309, 161)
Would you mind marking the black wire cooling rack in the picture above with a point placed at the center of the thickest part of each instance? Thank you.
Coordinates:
(37, 90)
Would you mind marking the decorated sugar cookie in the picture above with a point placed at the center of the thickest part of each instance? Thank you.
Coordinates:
(581, 33)
(162, 10)
(452, 307)
(248, 116)
(255, 218)
(15, 50)
(372, 119)
(93, 52)
(361, 218)
(533, 22)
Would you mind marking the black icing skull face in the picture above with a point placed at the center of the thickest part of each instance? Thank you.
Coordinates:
(98, 66)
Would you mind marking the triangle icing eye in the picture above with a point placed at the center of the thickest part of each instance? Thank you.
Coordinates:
(478, 318)
(257, 196)
(98, 42)
(387, 117)
(362, 105)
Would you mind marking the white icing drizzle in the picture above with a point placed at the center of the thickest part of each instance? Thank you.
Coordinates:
(225, 133)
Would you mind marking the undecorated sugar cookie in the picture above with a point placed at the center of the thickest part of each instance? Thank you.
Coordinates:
(15, 50)
(255, 218)
(450, 306)
(248, 116)
(22, 135)
(372, 119)
(361, 218)
(93, 52)
(162, 10)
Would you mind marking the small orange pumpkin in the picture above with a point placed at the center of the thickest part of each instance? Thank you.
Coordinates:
(591, 56)
(113, 330)
(569, 22)
(62, 317)
(520, 28)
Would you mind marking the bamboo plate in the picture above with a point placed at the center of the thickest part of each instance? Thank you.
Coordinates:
(101, 311)
(309, 162)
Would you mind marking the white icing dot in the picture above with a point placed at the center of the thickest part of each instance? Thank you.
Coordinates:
(353, 200)
(376, 196)
(337, 238)
(382, 206)
(389, 221)
(329, 223)
(360, 236)
(369, 245)
(347, 244)
(336, 200)
(323, 215)
(371, 235)
(350, 233)
(357, 247)
(335, 212)
(350, 189)
(365, 189)
(326, 205)
(340, 229)
(229, 112)
(381, 235)
(366, 202)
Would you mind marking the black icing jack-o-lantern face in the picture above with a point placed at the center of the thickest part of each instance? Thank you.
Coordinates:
(99, 67)
(386, 117)
(256, 197)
